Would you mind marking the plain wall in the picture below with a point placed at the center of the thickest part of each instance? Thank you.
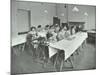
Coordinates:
(14, 29)
(90, 20)
(62, 12)
(39, 16)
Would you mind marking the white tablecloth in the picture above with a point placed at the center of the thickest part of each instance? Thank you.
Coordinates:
(91, 31)
(69, 46)
(18, 40)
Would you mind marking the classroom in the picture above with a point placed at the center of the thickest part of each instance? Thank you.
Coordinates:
(52, 37)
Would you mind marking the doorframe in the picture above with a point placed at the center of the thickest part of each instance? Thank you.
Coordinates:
(29, 16)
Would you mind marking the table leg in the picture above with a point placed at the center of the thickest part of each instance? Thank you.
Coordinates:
(17, 50)
(69, 59)
(61, 66)
(85, 42)
(56, 60)
(45, 60)
(77, 51)
(72, 56)
(83, 45)
(14, 49)
(23, 47)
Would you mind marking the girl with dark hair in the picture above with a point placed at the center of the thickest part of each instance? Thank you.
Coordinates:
(32, 28)
(46, 27)
(33, 31)
(64, 33)
(31, 41)
(53, 33)
(39, 28)
(73, 30)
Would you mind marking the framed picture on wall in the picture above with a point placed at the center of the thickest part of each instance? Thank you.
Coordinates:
(52, 37)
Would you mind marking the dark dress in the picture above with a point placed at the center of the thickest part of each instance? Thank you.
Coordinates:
(42, 49)
(29, 45)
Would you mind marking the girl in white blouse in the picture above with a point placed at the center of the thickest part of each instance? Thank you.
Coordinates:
(73, 30)
(64, 33)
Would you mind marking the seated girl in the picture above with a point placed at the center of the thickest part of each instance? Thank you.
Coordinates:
(46, 29)
(64, 33)
(51, 34)
(73, 29)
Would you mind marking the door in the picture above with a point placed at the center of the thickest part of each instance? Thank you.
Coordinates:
(23, 20)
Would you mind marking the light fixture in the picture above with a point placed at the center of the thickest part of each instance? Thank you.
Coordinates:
(45, 11)
(75, 9)
(56, 16)
(62, 14)
(86, 14)
(65, 6)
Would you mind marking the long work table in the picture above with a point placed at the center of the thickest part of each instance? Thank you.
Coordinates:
(69, 45)
(19, 39)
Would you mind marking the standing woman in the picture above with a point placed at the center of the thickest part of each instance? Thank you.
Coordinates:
(33, 32)
(31, 41)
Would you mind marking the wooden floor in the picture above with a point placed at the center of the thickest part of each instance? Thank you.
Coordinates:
(22, 62)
